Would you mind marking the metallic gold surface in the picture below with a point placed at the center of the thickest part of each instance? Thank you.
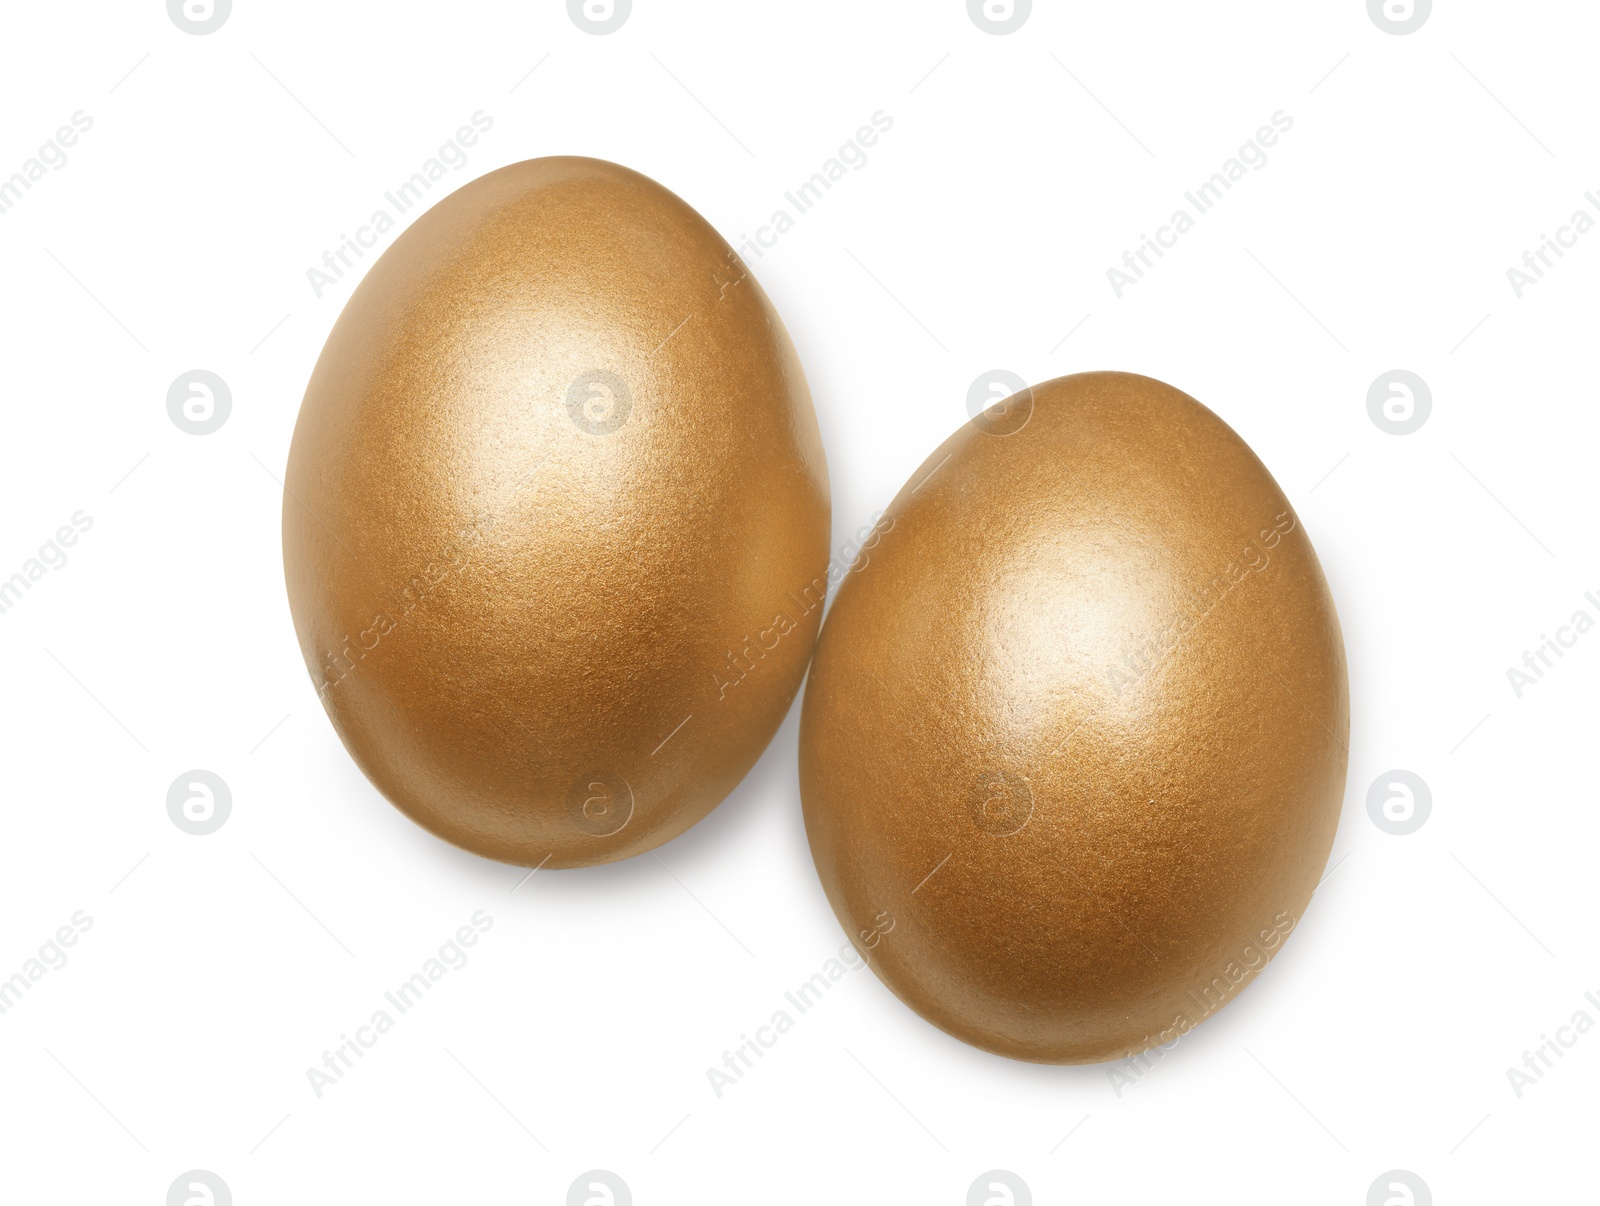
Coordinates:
(556, 520)
(1073, 747)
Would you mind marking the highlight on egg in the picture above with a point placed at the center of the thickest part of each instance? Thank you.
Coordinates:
(1074, 741)
(556, 517)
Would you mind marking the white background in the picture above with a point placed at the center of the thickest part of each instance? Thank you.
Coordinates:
(1019, 168)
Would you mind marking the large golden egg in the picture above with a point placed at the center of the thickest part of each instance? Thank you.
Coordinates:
(556, 518)
(1074, 743)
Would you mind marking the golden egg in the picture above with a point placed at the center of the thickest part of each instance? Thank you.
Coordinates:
(1073, 747)
(556, 517)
